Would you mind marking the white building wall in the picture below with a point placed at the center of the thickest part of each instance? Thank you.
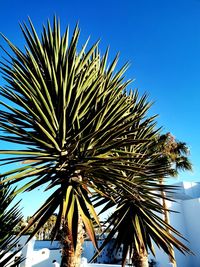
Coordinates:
(191, 210)
(38, 258)
(45, 257)
(177, 220)
(187, 222)
(27, 250)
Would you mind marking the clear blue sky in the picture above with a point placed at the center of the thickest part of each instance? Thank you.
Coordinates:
(161, 39)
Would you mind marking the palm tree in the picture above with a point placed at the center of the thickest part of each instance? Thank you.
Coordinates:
(137, 223)
(176, 153)
(9, 217)
(76, 123)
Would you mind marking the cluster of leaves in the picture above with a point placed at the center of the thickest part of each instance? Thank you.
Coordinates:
(85, 134)
(9, 217)
(44, 233)
(175, 152)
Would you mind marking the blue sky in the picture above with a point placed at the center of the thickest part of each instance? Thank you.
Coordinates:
(161, 39)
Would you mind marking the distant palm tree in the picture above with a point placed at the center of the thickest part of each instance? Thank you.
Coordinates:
(81, 133)
(176, 154)
(46, 230)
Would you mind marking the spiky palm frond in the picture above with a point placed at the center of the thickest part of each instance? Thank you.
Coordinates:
(136, 223)
(9, 217)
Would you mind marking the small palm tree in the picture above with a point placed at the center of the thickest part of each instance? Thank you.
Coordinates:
(176, 153)
(137, 223)
(81, 133)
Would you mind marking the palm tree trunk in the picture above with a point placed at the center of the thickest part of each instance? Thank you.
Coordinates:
(167, 220)
(140, 259)
(71, 257)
